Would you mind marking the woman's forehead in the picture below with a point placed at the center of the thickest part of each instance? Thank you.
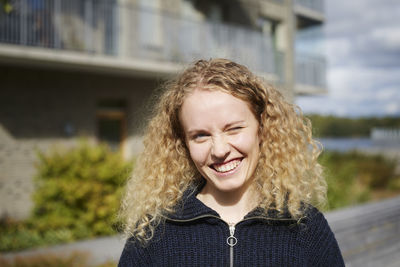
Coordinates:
(205, 107)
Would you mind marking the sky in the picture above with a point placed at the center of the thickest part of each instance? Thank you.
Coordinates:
(361, 42)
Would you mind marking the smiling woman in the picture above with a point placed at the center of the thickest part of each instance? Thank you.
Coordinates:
(228, 175)
(222, 136)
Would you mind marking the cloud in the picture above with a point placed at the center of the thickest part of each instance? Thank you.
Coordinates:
(369, 30)
(362, 40)
(388, 37)
(355, 91)
(388, 94)
(337, 49)
(393, 108)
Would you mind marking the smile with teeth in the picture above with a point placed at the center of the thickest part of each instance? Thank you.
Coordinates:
(226, 167)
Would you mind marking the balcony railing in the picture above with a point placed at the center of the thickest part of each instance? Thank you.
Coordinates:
(125, 31)
(316, 5)
(311, 71)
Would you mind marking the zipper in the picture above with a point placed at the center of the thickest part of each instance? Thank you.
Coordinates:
(231, 239)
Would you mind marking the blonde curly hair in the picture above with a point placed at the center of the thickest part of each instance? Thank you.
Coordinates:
(287, 176)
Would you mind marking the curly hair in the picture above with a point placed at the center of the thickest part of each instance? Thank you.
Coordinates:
(287, 175)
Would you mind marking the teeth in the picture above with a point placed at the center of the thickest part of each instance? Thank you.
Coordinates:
(228, 166)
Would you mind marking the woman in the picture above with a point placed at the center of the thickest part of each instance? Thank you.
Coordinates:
(227, 177)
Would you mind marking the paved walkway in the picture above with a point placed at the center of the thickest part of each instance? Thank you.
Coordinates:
(369, 235)
(100, 250)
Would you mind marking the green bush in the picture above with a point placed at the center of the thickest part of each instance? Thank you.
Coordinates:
(352, 177)
(77, 196)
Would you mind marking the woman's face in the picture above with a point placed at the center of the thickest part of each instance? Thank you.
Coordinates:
(222, 137)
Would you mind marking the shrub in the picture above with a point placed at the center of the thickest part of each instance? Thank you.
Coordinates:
(352, 177)
(77, 196)
(343, 187)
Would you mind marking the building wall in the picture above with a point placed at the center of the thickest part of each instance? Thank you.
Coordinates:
(41, 108)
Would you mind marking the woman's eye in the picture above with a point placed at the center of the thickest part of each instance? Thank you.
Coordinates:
(235, 129)
(199, 136)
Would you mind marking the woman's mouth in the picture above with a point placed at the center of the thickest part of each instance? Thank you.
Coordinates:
(227, 166)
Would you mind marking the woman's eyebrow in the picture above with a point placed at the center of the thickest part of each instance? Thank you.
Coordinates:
(230, 124)
(196, 131)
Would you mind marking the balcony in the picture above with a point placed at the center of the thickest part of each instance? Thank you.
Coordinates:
(309, 12)
(107, 31)
(310, 74)
(315, 5)
(310, 63)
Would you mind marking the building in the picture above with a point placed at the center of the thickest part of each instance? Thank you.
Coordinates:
(89, 68)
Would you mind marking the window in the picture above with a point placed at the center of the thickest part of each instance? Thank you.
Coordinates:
(111, 123)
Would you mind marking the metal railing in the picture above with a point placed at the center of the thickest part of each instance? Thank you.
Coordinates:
(70, 25)
(316, 5)
(311, 70)
(127, 31)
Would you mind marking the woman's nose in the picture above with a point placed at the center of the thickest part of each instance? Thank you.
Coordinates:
(220, 148)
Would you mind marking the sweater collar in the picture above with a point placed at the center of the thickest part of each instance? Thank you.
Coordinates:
(191, 207)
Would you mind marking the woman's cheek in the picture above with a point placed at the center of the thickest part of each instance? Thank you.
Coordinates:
(239, 140)
(198, 153)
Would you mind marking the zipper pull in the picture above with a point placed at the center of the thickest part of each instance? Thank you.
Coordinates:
(231, 240)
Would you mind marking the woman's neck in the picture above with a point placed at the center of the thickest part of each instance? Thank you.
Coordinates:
(232, 206)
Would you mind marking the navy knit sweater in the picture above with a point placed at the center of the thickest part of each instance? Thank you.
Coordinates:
(196, 236)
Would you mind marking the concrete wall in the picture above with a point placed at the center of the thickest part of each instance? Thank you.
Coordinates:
(36, 105)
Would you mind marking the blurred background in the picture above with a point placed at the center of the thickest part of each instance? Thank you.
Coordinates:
(76, 84)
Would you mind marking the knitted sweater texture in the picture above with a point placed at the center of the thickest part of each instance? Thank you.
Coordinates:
(196, 236)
